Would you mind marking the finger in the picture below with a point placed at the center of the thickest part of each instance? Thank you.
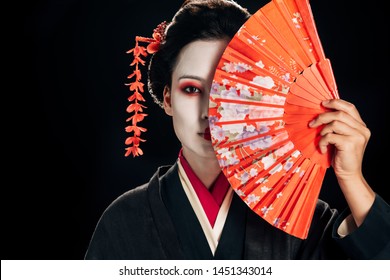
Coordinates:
(344, 106)
(348, 140)
(336, 116)
(330, 139)
(338, 128)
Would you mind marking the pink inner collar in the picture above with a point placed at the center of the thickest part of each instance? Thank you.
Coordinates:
(211, 199)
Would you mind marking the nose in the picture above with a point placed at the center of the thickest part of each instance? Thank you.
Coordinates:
(205, 113)
(205, 106)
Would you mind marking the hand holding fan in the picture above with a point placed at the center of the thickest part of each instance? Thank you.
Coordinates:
(268, 86)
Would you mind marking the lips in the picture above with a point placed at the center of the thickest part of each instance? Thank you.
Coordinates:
(206, 134)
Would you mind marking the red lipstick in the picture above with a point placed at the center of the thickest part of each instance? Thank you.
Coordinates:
(206, 134)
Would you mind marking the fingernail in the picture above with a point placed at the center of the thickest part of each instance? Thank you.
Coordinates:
(325, 102)
(311, 123)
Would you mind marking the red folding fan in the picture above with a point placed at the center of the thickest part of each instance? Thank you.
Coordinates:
(268, 86)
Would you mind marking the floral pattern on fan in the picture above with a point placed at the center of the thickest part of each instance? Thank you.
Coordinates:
(268, 85)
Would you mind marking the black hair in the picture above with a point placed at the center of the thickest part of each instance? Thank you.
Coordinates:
(195, 20)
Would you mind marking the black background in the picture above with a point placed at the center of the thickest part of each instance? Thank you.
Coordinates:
(64, 132)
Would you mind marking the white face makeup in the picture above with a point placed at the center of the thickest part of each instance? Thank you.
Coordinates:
(188, 99)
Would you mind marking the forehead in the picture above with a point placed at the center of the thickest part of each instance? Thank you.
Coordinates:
(199, 58)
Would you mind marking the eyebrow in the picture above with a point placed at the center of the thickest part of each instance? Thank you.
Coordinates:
(192, 77)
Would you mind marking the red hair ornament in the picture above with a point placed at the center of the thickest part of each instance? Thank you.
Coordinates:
(136, 87)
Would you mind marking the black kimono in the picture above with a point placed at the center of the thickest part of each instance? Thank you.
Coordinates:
(156, 221)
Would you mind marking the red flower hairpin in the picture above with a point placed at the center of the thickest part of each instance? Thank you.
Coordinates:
(137, 88)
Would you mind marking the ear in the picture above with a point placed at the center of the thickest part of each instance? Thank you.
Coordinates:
(167, 101)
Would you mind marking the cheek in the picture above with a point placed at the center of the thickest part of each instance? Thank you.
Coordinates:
(185, 108)
(183, 118)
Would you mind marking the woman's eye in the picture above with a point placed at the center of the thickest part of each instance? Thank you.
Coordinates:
(191, 90)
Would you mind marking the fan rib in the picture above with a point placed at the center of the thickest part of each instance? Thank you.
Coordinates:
(274, 33)
(325, 68)
(319, 77)
(254, 185)
(299, 91)
(312, 89)
(284, 205)
(249, 139)
(307, 15)
(247, 102)
(292, 119)
(293, 202)
(279, 25)
(258, 47)
(302, 41)
(247, 120)
(222, 75)
(233, 56)
(248, 157)
(281, 184)
(308, 201)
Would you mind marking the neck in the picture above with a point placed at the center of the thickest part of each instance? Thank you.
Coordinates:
(206, 168)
